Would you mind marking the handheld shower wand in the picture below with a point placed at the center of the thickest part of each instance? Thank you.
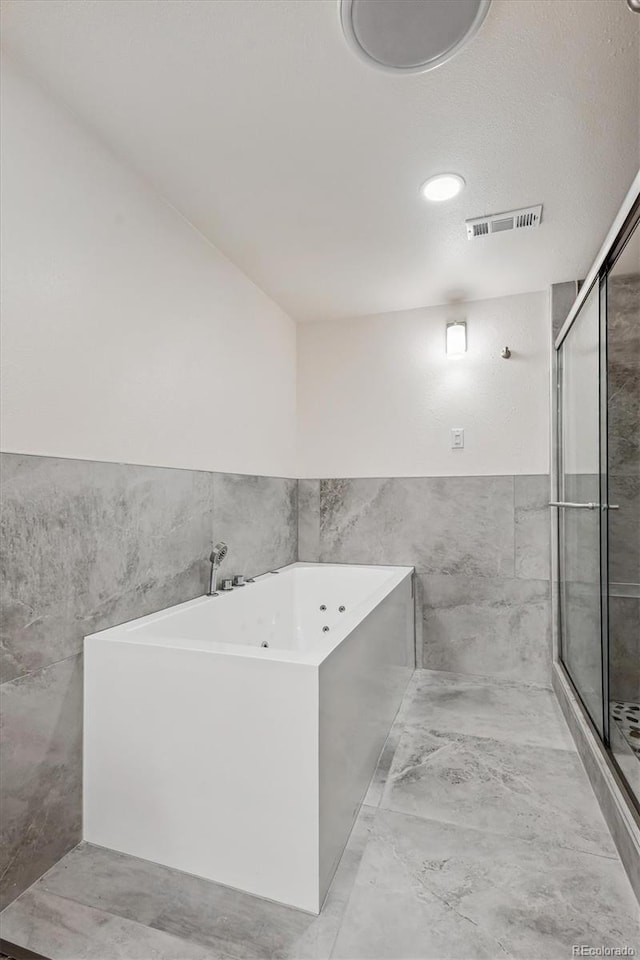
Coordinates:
(218, 554)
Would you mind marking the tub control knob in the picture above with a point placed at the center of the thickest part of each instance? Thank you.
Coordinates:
(323, 606)
(238, 581)
(341, 609)
(227, 584)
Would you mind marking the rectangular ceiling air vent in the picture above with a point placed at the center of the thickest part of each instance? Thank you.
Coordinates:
(522, 219)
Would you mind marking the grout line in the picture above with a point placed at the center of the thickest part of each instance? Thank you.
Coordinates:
(33, 673)
(118, 915)
(42, 876)
(615, 858)
(487, 679)
(515, 569)
(503, 740)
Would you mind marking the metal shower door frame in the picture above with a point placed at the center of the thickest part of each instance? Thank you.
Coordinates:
(623, 226)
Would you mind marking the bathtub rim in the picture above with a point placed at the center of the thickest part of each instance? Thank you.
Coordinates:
(125, 632)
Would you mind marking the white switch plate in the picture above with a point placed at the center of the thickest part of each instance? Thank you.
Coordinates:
(457, 438)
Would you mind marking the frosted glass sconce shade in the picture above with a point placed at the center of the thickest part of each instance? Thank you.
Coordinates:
(456, 338)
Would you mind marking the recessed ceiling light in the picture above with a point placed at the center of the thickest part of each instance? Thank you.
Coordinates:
(444, 186)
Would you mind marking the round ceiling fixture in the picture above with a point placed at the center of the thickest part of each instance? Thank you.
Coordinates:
(444, 186)
(410, 36)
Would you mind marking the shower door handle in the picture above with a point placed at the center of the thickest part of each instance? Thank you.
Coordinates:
(583, 506)
(577, 506)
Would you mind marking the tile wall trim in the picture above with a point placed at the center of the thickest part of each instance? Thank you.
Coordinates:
(151, 466)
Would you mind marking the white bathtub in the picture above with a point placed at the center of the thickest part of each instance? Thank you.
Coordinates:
(246, 765)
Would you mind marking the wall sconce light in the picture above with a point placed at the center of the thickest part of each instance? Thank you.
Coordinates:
(456, 338)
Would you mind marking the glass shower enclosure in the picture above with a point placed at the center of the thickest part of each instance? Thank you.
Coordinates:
(597, 501)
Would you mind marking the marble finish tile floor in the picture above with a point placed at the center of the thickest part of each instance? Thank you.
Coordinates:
(479, 838)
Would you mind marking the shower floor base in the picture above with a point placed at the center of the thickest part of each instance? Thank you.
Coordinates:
(624, 737)
(626, 714)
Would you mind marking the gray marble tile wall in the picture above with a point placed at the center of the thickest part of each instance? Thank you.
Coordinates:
(623, 359)
(480, 546)
(86, 545)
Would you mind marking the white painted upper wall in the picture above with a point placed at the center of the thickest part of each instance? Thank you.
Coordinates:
(126, 336)
(377, 396)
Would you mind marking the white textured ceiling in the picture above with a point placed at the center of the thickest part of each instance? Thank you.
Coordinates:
(255, 120)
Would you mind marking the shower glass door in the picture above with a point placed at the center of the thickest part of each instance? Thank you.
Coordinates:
(598, 495)
(578, 508)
